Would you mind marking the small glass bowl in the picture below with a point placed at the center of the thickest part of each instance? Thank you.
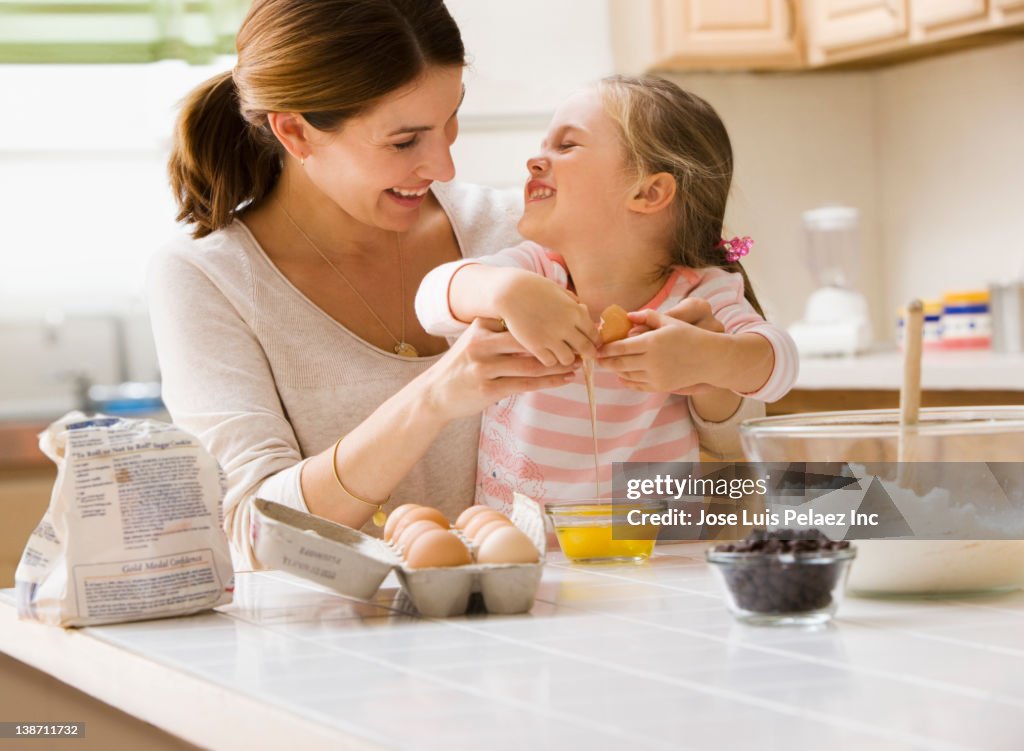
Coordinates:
(783, 589)
(585, 530)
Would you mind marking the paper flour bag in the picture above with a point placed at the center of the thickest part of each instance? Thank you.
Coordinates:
(133, 530)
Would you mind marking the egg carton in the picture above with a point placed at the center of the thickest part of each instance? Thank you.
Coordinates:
(356, 564)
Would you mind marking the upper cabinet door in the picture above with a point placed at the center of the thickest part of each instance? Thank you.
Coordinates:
(706, 34)
(760, 24)
(931, 13)
(795, 34)
(848, 23)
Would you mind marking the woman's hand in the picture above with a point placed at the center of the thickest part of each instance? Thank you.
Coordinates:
(485, 365)
(546, 319)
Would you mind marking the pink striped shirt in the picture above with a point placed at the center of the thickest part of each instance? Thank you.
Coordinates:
(540, 443)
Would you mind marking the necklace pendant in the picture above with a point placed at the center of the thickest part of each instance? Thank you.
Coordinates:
(406, 350)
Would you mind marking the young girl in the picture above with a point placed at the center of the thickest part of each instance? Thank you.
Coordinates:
(624, 205)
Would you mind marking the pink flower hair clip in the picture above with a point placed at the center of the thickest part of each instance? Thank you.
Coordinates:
(735, 248)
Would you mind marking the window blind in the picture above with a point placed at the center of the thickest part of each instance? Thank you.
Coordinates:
(118, 31)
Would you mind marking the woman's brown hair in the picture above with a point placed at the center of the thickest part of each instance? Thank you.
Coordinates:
(667, 129)
(328, 59)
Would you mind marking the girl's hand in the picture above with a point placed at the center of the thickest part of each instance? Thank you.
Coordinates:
(485, 365)
(693, 310)
(667, 352)
(547, 320)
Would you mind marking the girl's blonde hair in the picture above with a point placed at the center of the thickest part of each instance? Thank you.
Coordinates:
(666, 129)
(327, 59)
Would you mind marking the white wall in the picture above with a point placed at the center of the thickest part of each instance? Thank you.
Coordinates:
(951, 172)
(525, 57)
(84, 192)
(930, 151)
(799, 141)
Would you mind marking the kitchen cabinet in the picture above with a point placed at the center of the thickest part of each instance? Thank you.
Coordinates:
(851, 24)
(29, 693)
(26, 480)
(872, 381)
(799, 34)
(960, 21)
(828, 400)
(873, 32)
(24, 496)
(929, 14)
(694, 34)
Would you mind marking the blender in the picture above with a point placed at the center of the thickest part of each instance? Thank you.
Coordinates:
(836, 319)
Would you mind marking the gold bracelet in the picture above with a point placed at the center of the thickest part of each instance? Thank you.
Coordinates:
(379, 516)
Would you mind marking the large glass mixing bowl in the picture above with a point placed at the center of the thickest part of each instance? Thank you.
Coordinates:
(944, 435)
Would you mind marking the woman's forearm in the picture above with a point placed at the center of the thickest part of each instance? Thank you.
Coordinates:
(374, 457)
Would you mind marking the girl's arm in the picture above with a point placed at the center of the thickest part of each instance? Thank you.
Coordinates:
(525, 288)
(724, 344)
(757, 359)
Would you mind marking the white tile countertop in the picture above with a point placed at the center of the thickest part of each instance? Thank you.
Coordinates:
(638, 657)
(940, 370)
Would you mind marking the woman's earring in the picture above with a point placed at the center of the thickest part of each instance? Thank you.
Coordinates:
(302, 161)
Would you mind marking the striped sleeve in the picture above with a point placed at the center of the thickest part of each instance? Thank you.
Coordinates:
(432, 302)
(724, 291)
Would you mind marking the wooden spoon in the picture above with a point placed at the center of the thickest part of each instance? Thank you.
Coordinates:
(910, 392)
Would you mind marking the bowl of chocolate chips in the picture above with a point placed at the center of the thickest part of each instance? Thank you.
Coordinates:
(783, 576)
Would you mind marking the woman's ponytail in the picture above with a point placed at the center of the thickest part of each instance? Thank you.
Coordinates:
(218, 160)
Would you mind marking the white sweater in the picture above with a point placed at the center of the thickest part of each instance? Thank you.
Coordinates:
(264, 378)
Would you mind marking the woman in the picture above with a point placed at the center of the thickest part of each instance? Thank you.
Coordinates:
(311, 176)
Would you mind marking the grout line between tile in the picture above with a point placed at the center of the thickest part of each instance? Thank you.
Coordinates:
(759, 702)
(965, 691)
(615, 731)
(929, 636)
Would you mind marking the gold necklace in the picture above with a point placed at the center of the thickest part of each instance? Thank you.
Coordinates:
(402, 347)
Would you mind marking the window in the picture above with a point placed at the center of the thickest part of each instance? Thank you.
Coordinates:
(117, 31)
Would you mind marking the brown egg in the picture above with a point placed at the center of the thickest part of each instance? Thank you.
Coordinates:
(406, 537)
(396, 516)
(615, 324)
(468, 514)
(487, 529)
(509, 545)
(418, 514)
(437, 548)
(477, 522)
